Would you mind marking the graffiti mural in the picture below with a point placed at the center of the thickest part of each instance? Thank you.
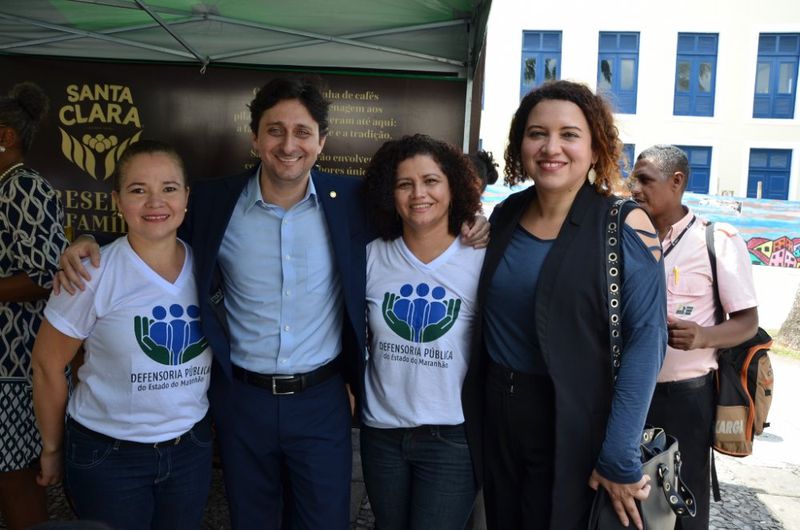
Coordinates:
(781, 252)
(770, 228)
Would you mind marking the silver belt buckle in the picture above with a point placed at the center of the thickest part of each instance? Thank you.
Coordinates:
(275, 390)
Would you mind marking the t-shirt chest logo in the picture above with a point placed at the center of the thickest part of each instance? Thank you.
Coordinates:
(171, 337)
(422, 314)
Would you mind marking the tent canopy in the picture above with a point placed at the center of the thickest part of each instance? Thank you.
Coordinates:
(437, 37)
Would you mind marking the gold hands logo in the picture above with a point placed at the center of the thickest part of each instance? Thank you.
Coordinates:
(85, 152)
(98, 122)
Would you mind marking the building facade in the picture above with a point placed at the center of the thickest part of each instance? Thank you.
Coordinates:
(718, 79)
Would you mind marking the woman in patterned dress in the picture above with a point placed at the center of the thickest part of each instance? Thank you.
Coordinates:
(31, 240)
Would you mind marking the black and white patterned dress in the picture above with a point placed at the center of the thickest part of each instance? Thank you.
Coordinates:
(31, 241)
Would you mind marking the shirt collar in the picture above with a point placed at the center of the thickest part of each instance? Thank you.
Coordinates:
(678, 228)
(253, 195)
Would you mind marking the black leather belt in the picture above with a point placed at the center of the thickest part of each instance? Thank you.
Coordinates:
(685, 384)
(100, 436)
(284, 385)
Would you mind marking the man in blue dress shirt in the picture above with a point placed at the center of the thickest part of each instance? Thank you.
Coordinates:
(279, 256)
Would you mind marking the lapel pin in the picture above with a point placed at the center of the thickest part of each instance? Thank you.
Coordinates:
(333, 194)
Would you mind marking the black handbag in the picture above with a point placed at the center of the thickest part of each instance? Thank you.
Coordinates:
(661, 458)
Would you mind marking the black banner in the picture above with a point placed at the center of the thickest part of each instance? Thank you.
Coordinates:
(97, 109)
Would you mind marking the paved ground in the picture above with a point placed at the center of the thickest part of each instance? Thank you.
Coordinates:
(765, 487)
(761, 491)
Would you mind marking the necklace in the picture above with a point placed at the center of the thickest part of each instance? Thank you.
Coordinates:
(9, 170)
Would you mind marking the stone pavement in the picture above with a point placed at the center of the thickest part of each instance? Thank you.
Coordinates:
(755, 496)
(761, 491)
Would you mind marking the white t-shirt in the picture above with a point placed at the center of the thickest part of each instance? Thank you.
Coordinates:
(147, 364)
(421, 318)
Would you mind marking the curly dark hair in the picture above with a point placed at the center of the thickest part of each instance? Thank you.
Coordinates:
(605, 137)
(381, 174)
(24, 110)
(308, 90)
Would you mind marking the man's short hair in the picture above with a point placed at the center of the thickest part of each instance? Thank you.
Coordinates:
(668, 159)
(304, 89)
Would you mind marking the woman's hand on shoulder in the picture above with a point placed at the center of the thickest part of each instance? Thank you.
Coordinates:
(71, 272)
(624, 496)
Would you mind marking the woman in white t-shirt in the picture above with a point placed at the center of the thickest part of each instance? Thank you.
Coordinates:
(136, 448)
(421, 296)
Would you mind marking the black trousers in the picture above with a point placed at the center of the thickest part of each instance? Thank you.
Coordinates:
(518, 450)
(685, 410)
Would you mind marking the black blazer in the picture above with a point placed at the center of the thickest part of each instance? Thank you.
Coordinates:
(571, 322)
(211, 205)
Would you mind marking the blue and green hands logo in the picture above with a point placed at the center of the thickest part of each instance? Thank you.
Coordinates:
(173, 339)
(423, 318)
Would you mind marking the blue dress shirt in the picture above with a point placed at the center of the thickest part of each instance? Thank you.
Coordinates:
(282, 291)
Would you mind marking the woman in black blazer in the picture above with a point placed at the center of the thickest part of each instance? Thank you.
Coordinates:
(552, 424)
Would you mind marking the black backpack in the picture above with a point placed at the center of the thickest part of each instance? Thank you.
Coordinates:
(744, 385)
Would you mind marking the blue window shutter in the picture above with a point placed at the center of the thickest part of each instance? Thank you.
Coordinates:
(779, 187)
(788, 44)
(704, 106)
(761, 107)
(683, 105)
(686, 42)
(541, 59)
(776, 75)
(699, 167)
(699, 181)
(767, 43)
(695, 74)
(618, 69)
(551, 41)
(779, 159)
(770, 167)
(608, 41)
(707, 44)
(759, 158)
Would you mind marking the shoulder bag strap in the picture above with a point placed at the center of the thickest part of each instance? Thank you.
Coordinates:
(683, 502)
(720, 316)
(613, 255)
(712, 257)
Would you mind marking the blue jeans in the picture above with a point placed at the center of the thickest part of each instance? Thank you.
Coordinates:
(418, 478)
(132, 486)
